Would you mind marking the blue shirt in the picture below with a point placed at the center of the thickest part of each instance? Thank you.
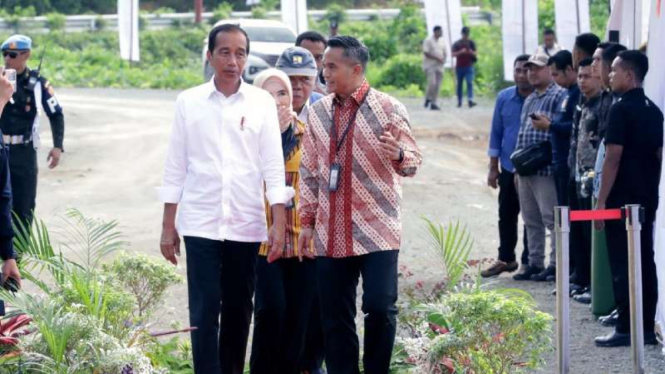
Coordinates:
(505, 126)
(562, 126)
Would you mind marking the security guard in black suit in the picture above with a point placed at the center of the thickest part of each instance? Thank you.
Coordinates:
(20, 125)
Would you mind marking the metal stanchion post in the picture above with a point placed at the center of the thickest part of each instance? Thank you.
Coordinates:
(634, 226)
(562, 233)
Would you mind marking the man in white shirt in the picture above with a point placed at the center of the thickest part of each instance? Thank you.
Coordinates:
(225, 145)
(434, 57)
(549, 47)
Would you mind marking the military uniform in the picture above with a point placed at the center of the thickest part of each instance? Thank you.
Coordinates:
(20, 127)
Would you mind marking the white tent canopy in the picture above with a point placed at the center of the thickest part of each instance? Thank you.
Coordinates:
(520, 31)
(128, 29)
(572, 19)
(655, 89)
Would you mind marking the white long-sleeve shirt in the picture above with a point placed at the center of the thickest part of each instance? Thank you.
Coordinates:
(222, 150)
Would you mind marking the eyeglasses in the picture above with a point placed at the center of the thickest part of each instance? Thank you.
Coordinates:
(11, 54)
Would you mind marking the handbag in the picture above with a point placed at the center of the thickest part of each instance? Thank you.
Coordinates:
(529, 160)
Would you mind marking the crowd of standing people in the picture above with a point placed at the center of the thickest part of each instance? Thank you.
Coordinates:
(577, 130)
(330, 168)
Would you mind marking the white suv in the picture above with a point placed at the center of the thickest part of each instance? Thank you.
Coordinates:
(268, 39)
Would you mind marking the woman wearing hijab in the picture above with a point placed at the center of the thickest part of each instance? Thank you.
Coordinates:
(284, 287)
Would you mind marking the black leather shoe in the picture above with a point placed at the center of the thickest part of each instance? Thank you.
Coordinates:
(610, 320)
(434, 107)
(459, 104)
(542, 276)
(617, 339)
(427, 103)
(526, 273)
(580, 291)
(472, 104)
(584, 298)
(614, 339)
(574, 289)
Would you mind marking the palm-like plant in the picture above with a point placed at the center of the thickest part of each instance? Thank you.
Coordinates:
(453, 245)
(85, 241)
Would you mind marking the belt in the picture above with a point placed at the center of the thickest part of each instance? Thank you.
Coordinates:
(15, 139)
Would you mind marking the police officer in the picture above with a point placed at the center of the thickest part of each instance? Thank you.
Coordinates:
(20, 125)
(9, 267)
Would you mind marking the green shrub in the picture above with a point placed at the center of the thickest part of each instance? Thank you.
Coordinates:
(489, 332)
(144, 278)
(55, 21)
(409, 28)
(335, 11)
(101, 24)
(163, 10)
(259, 12)
(401, 71)
(223, 11)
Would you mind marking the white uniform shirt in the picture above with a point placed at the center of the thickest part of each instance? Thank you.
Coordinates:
(221, 152)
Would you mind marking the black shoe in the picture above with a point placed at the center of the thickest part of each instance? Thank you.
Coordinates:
(526, 272)
(459, 105)
(551, 278)
(617, 339)
(542, 276)
(614, 339)
(427, 102)
(472, 104)
(584, 298)
(610, 320)
(579, 291)
(434, 107)
(575, 289)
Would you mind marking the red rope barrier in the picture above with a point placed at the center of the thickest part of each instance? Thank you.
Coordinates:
(596, 215)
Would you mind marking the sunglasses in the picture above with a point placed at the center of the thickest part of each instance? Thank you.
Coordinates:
(11, 54)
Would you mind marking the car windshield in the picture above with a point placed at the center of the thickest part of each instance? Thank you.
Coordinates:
(270, 34)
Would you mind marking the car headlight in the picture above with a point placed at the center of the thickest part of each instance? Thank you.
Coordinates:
(255, 65)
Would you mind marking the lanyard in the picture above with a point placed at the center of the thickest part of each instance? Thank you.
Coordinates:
(349, 124)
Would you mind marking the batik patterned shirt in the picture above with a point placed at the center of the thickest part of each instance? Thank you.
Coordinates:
(363, 215)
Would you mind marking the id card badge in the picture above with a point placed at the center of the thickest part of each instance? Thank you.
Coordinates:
(334, 177)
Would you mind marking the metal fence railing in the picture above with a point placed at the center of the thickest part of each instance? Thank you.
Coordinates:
(82, 23)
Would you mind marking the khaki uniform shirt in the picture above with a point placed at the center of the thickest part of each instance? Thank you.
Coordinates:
(437, 48)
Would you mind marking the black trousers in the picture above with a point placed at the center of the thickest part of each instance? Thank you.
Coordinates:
(285, 293)
(580, 237)
(23, 169)
(220, 281)
(509, 213)
(338, 280)
(617, 246)
(314, 353)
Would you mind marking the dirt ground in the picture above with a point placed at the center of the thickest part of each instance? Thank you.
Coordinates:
(115, 148)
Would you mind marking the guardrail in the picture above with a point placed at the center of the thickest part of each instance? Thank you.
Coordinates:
(82, 23)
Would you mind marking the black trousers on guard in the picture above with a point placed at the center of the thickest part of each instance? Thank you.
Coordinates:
(617, 246)
(285, 292)
(580, 237)
(509, 213)
(220, 280)
(23, 170)
(338, 280)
